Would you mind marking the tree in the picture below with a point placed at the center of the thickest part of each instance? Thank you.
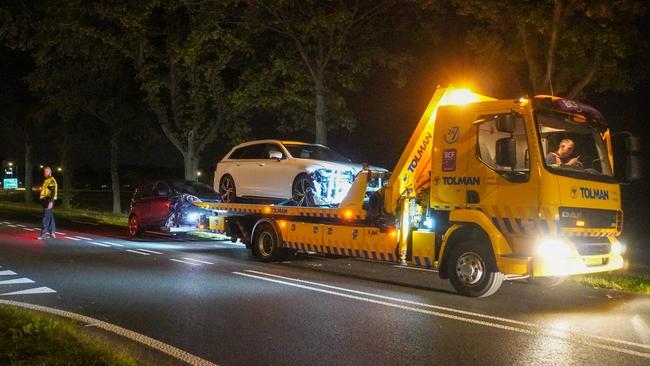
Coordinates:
(317, 50)
(565, 46)
(182, 52)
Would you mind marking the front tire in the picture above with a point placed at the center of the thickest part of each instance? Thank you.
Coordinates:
(227, 189)
(472, 270)
(135, 229)
(303, 192)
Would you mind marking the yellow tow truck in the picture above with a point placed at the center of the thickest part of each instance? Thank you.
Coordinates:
(486, 190)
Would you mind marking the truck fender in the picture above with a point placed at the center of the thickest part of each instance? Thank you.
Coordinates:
(461, 220)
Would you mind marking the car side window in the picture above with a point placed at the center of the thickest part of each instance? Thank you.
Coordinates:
(162, 189)
(238, 154)
(255, 152)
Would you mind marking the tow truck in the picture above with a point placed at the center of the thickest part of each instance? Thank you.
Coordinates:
(474, 196)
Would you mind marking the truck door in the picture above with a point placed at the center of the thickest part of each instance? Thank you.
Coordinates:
(506, 192)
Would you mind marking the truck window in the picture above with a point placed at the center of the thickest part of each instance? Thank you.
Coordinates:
(488, 135)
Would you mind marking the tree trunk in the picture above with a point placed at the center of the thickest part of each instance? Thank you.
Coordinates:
(319, 113)
(191, 165)
(115, 174)
(29, 178)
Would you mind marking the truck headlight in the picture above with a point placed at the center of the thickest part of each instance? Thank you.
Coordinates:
(618, 248)
(550, 247)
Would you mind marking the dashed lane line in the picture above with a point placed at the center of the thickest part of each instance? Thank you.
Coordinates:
(21, 225)
(71, 238)
(11, 225)
(172, 351)
(197, 260)
(99, 244)
(29, 229)
(137, 252)
(186, 262)
(16, 281)
(7, 273)
(113, 244)
(58, 233)
(149, 251)
(82, 237)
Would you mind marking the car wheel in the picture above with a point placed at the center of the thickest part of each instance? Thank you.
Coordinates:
(227, 189)
(471, 271)
(266, 244)
(546, 281)
(303, 192)
(135, 229)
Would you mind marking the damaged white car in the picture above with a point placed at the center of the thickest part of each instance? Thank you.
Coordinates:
(301, 174)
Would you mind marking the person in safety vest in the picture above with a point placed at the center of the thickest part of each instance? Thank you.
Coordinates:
(49, 191)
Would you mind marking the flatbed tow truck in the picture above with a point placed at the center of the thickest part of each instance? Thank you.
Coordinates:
(473, 195)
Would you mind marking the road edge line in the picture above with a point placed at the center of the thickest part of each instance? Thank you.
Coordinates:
(165, 348)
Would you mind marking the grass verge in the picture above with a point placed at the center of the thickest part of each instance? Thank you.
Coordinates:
(633, 282)
(71, 214)
(31, 338)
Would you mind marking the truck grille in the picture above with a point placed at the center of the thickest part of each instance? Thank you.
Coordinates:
(591, 245)
(591, 218)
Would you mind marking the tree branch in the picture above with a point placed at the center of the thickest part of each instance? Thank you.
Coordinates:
(531, 60)
(580, 85)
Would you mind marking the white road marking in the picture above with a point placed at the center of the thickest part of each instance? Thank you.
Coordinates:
(149, 251)
(540, 330)
(172, 351)
(99, 244)
(111, 243)
(7, 273)
(186, 262)
(21, 225)
(196, 260)
(16, 281)
(415, 268)
(458, 311)
(83, 237)
(29, 229)
(136, 252)
(10, 225)
(71, 238)
(6, 222)
(31, 291)
(58, 233)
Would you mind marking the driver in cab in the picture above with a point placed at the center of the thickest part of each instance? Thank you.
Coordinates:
(563, 155)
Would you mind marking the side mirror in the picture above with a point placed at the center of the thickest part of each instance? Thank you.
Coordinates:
(506, 152)
(627, 157)
(274, 154)
(506, 123)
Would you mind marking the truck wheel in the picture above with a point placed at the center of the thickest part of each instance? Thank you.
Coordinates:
(546, 281)
(227, 189)
(266, 244)
(135, 229)
(471, 270)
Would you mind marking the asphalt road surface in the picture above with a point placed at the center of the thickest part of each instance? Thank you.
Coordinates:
(210, 298)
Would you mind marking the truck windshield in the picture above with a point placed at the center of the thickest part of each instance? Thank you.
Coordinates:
(572, 146)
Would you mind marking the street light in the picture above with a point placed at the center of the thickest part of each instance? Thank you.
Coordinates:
(11, 163)
(198, 173)
(59, 169)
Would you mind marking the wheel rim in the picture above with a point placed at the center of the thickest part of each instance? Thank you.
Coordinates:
(470, 269)
(303, 193)
(133, 226)
(227, 189)
(265, 244)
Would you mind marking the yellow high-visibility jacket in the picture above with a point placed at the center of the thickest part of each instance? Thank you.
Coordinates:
(49, 189)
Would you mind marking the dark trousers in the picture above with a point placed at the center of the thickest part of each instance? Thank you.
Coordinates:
(48, 222)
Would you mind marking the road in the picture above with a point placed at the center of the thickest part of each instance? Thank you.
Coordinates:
(210, 298)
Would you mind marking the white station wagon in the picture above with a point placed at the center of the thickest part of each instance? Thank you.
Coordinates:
(308, 174)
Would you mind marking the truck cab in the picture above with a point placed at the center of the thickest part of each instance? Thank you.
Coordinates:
(528, 183)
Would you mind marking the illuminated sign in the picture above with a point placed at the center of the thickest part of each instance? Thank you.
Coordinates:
(10, 183)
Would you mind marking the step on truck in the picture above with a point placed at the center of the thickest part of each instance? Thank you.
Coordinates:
(486, 190)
